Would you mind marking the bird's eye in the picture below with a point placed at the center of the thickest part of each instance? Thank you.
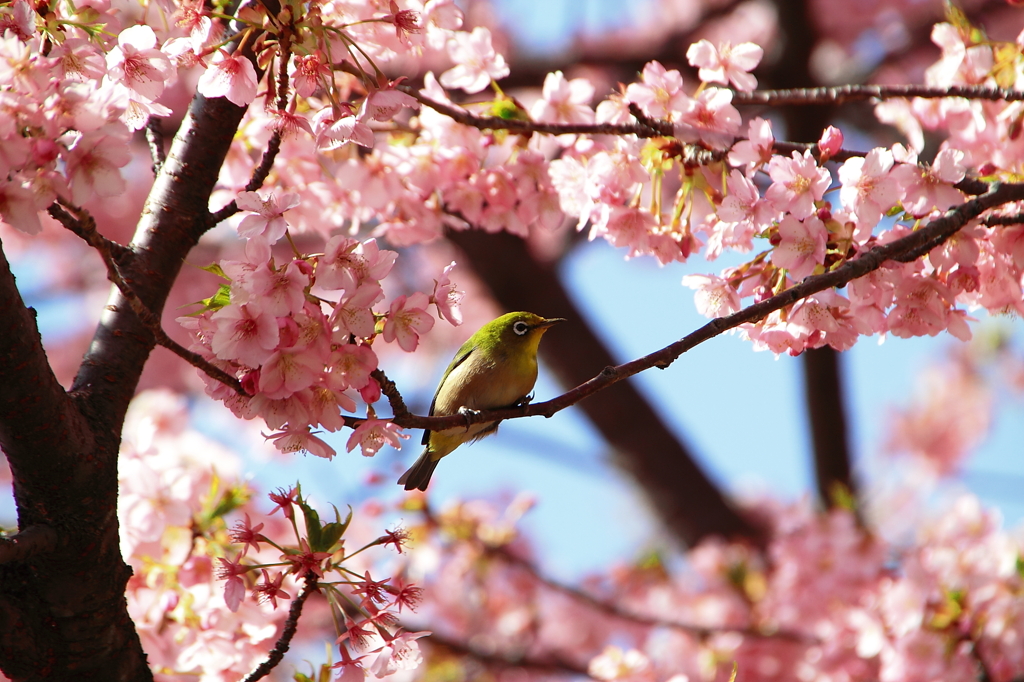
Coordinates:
(520, 328)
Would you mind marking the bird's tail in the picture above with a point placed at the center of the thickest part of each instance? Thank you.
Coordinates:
(418, 475)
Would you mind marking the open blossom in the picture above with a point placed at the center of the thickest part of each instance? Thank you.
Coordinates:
(267, 217)
(755, 151)
(715, 297)
(301, 439)
(797, 183)
(868, 190)
(564, 101)
(709, 117)
(349, 263)
(660, 94)
(310, 72)
(93, 167)
(802, 247)
(931, 188)
(18, 207)
(244, 334)
(476, 62)
(726, 64)
(233, 77)
(407, 320)
(373, 434)
(354, 314)
(137, 64)
(446, 298)
(383, 103)
(402, 652)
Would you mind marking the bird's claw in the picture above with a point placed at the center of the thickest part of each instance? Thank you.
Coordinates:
(468, 413)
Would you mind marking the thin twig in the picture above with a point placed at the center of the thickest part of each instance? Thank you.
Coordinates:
(256, 180)
(934, 233)
(83, 224)
(847, 93)
(284, 641)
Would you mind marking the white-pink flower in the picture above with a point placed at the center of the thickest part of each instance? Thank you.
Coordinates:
(867, 189)
(402, 652)
(797, 182)
(564, 101)
(354, 314)
(93, 167)
(137, 64)
(727, 64)
(285, 373)
(660, 94)
(446, 298)
(233, 77)
(350, 366)
(715, 297)
(756, 150)
(244, 334)
(802, 247)
(373, 434)
(709, 117)
(301, 439)
(476, 62)
(267, 217)
(408, 319)
(18, 207)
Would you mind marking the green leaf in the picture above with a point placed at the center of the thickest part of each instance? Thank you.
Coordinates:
(313, 526)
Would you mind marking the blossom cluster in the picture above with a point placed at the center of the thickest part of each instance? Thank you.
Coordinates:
(828, 600)
(209, 600)
(299, 335)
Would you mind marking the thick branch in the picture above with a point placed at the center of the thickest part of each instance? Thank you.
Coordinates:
(850, 93)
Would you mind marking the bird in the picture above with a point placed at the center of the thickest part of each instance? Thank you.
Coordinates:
(495, 368)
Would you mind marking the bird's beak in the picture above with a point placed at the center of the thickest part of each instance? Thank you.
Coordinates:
(550, 322)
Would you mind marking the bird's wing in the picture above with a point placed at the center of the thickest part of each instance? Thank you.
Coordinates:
(464, 352)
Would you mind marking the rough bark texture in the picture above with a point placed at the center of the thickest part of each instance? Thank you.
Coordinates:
(63, 613)
(689, 504)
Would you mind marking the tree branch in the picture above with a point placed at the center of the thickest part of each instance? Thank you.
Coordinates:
(284, 641)
(849, 93)
(936, 232)
(83, 225)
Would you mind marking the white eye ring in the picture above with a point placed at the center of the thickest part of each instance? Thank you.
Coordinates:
(520, 328)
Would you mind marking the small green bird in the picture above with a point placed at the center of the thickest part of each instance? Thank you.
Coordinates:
(495, 368)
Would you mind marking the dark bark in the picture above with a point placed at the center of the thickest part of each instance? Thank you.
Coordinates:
(63, 613)
(689, 504)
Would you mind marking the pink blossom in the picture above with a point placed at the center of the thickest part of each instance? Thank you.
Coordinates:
(280, 292)
(802, 247)
(756, 150)
(336, 128)
(446, 298)
(19, 18)
(710, 117)
(78, 59)
(373, 434)
(92, 167)
(137, 64)
(867, 190)
(350, 365)
(348, 263)
(406, 21)
(233, 77)
(234, 589)
(831, 142)
(614, 664)
(476, 62)
(797, 183)
(18, 207)
(715, 297)
(931, 188)
(354, 314)
(285, 373)
(383, 103)
(564, 101)
(407, 320)
(660, 95)
(267, 217)
(244, 333)
(301, 439)
(400, 653)
(270, 590)
(727, 64)
(310, 73)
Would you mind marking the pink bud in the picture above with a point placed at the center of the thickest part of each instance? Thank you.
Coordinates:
(831, 142)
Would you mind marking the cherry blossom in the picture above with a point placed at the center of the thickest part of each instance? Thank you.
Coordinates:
(232, 77)
(137, 64)
(797, 183)
(476, 62)
(726, 64)
(373, 434)
(407, 320)
(267, 218)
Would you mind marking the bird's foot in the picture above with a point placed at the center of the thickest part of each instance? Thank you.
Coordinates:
(468, 414)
